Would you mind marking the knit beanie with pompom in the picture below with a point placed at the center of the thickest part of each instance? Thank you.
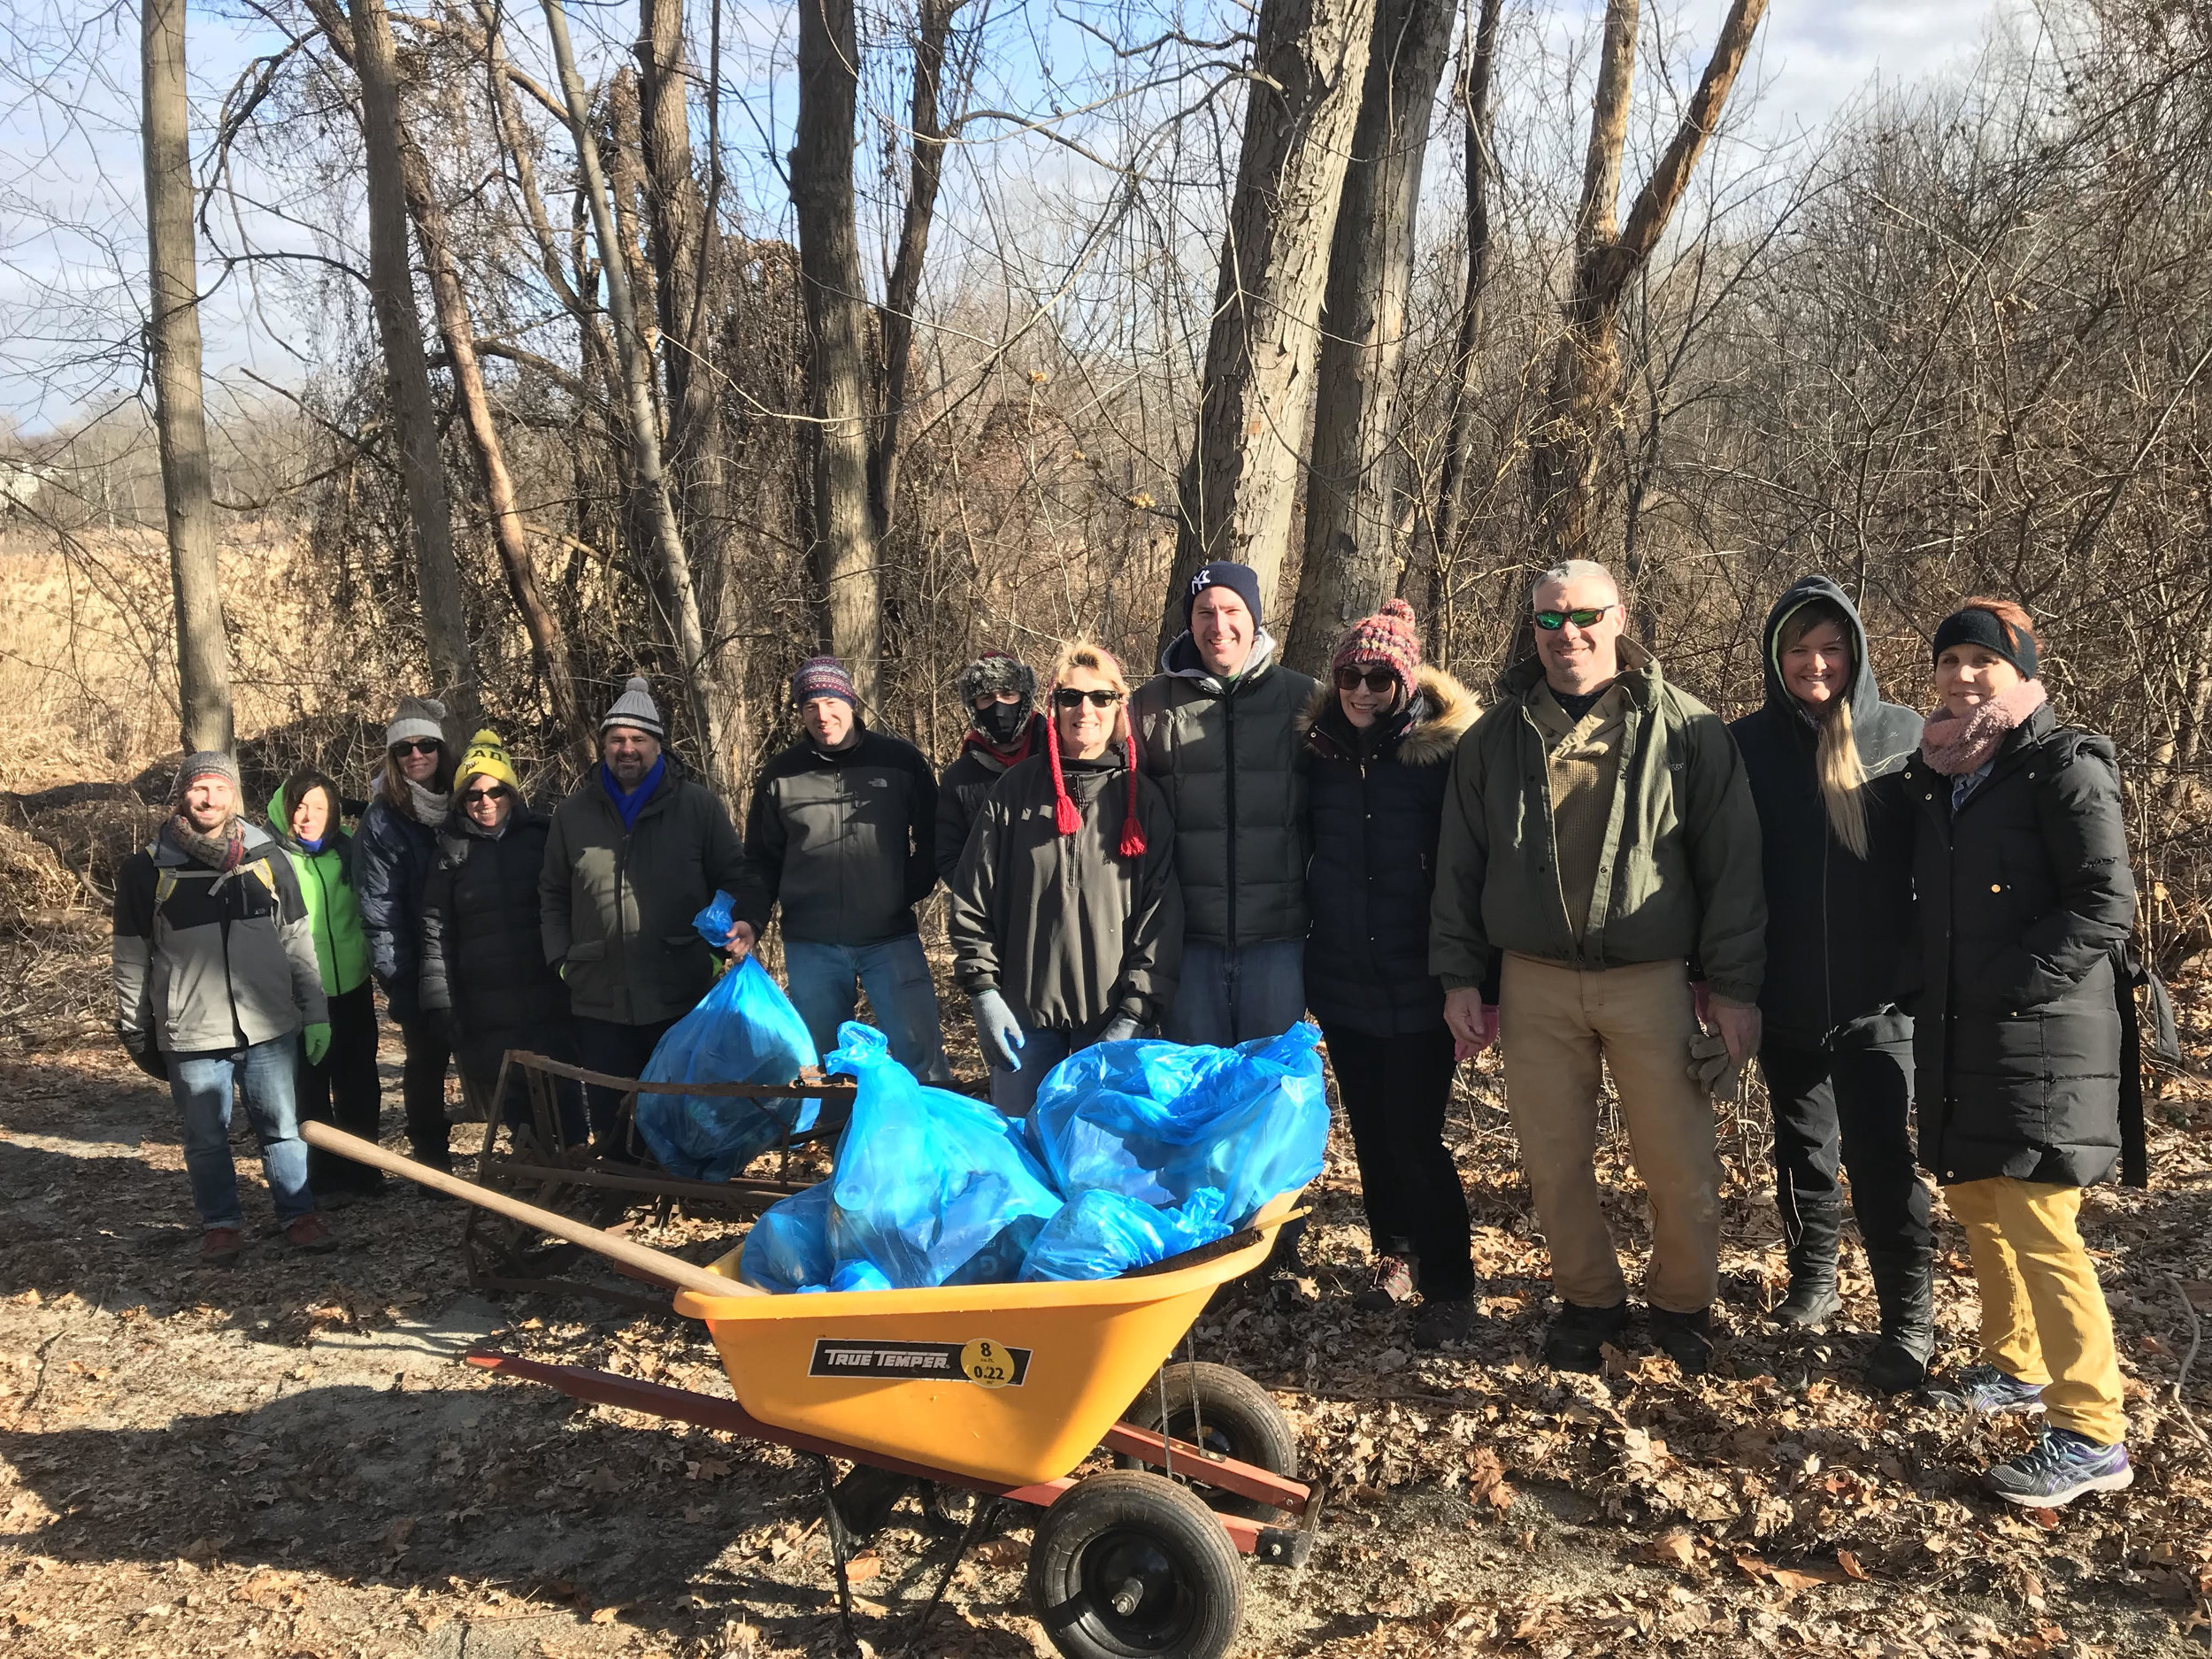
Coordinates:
(636, 709)
(487, 757)
(1389, 637)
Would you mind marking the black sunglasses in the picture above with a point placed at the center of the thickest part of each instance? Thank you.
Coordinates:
(497, 792)
(1069, 697)
(1351, 677)
(1582, 616)
(416, 746)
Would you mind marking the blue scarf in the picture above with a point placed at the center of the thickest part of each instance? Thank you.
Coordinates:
(311, 845)
(628, 806)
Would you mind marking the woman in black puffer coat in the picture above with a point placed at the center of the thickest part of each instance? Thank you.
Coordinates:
(2025, 906)
(1381, 735)
(485, 985)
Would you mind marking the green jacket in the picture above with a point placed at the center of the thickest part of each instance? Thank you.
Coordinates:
(1679, 874)
(615, 908)
(1232, 761)
(341, 944)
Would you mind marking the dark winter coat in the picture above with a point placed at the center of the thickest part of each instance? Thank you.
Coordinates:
(846, 841)
(392, 854)
(483, 955)
(1833, 919)
(1232, 762)
(2025, 899)
(615, 906)
(1376, 806)
(1065, 928)
(974, 773)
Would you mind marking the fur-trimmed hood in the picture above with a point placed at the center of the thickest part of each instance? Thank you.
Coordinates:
(1442, 711)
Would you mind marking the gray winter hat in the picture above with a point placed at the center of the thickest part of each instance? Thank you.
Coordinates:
(205, 762)
(418, 716)
(635, 708)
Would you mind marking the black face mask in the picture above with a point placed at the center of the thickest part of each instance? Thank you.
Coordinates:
(1001, 723)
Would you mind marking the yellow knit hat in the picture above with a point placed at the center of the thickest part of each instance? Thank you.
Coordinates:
(487, 757)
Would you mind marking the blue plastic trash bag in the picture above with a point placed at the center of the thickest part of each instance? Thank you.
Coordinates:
(1101, 1233)
(859, 1275)
(1168, 1124)
(743, 1030)
(931, 1187)
(788, 1247)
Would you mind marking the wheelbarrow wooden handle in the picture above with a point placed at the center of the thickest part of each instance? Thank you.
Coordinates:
(655, 1265)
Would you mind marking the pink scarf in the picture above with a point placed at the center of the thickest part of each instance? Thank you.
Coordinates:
(1955, 746)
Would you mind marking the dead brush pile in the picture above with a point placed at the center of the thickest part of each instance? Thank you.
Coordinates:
(53, 979)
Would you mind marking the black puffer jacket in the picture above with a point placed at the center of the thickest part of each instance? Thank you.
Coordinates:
(2025, 899)
(1376, 805)
(1833, 919)
(482, 950)
(392, 854)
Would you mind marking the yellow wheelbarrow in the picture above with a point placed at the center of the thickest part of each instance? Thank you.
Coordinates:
(1003, 1390)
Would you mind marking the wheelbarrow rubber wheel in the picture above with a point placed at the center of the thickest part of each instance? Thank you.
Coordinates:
(1130, 1564)
(1239, 1420)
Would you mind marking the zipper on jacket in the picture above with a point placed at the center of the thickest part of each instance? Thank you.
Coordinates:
(1229, 707)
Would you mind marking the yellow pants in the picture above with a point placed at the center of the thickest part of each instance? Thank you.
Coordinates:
(2044, 1319)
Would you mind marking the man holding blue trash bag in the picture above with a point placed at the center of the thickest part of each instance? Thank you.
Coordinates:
(636, 850)
(842, 834)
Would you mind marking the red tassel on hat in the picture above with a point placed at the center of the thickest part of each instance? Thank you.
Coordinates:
(1065, 819)
(1132, 831)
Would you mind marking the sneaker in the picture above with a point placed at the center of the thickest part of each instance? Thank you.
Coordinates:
(1577, 1334)
(1392, 1284)
(1685, 1337)
(1447, 1319)
(219, 1247)
(1986, 1390)
(308, 1234)
(2060, 1467)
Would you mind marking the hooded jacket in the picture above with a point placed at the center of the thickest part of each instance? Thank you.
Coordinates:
(391, 861)
(483, 953)
(974, 773)
(1232, 761)
(1376, 807)
(1677, 872)
(2025, 899)
(615, 905)
(1833, 919)
(844, 839)
(207, 962)
(333, 909)
(1067, 930)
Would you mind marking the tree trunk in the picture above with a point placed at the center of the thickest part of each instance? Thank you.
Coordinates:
(399, 326)
(645, 444)
(187, 490)
(844, 549)
(1240, 481)
(1350, 564)
(1584, 395)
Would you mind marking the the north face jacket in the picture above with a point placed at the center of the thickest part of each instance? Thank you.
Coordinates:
(974, 773)
(1833, 919)
(205, 962)
(333, 909)
(1065, 928)
(615, 906)
(483, 952)
(1377, 808)
(846, 842)
(1677, 872)
(1232, 761)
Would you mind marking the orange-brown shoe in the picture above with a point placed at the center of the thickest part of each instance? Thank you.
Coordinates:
(219, 1247)
(308, 1234)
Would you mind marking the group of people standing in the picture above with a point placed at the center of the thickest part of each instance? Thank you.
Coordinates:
(1594, 872)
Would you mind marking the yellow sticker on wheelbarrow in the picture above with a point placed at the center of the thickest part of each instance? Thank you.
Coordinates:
(982, 1361)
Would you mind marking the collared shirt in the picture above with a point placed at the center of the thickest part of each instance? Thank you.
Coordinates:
(1966, 783)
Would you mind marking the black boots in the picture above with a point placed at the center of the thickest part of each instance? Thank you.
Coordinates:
(1904, 1284)
(1685, 1337)
(1578, 1332)
(1813, 1299)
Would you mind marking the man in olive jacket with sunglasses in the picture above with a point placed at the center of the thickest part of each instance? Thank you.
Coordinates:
(1598, 895)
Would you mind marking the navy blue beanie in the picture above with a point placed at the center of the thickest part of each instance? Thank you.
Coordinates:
(1241, 579)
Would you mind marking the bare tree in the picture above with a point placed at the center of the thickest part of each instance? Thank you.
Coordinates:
(179, 408)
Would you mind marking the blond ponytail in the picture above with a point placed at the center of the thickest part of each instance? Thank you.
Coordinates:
(1842, 777)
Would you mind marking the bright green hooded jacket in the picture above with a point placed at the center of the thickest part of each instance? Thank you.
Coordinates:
(341, 944)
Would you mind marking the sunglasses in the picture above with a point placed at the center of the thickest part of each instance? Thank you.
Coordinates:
(497, 792)
(1069, 697)
(1351, 677)
(416, 746)
(1583, 616)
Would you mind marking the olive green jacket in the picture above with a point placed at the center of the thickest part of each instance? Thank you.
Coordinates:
(1679, 873)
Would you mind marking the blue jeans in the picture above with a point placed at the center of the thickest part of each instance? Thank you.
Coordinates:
(202, 1085)
(824, 983)
(1231, 996)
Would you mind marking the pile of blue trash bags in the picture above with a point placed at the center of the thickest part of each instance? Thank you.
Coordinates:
(1134, 1152)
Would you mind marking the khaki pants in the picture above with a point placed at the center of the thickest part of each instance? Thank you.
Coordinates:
(1555, 1024)
(2044, 1319)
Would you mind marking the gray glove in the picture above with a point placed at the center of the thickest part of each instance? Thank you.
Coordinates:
(1120, 1028)
(997, 1032)
(1715, 1074)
